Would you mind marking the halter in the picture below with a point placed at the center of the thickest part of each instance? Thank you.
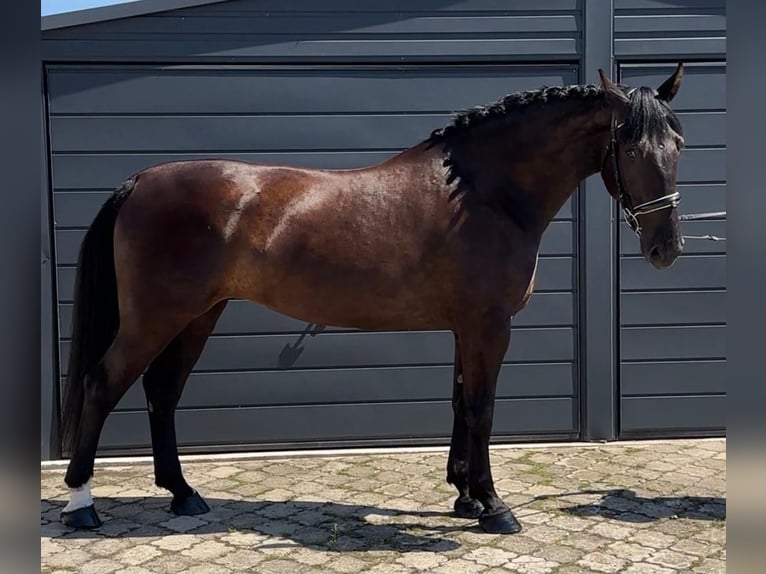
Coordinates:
(631, 213)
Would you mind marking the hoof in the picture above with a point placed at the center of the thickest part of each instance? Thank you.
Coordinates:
(84, 518)
(468, 508)
(189, 505)
(503, 523)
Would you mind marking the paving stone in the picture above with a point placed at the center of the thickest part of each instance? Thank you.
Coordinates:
(644, 568)
(207, 550)
(600, 508)
(246, 539)
(571, 570)
(661, 466)
(711, 566)
(559, 553)
(389, 568)
(647, 473)
(207, 568)
(459, 566)
(677, 528)
(602, 562)
(672, 559)
(519, 544)
(629, 551)
(612, 530)
(532, 515)
(171, 564)
(532, 565)
(569, 523)
(99, 566)
(139, 554)
(134, 570)
(653, 539)
(585, 541)
(183, 523)
(240, 559)
(348, 564)
(715, 534)
(638, 521)
(67, 559)
(118, 526)
(547, 534)
(489, 556)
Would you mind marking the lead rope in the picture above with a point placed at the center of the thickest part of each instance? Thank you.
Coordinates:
(698, 216)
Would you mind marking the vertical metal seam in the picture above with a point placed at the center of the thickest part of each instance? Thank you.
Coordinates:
(51, 378)
(599, 417)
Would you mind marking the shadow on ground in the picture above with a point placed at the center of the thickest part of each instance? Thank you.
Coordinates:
(319, 525)
(624, 505)
(337, 527)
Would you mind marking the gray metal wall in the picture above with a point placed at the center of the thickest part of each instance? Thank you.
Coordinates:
(345, 387)
(672, 338)
(333, 30)
(344, 83)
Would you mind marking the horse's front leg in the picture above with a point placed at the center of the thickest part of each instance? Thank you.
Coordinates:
(483, 347)
(457, 462)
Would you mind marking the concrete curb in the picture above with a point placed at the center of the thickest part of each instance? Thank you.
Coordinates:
(237, 456)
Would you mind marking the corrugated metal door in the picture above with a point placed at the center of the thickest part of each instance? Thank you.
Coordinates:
(262, 381)
(672, 321)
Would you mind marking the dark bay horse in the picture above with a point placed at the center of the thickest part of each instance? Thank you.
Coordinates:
(444, 235)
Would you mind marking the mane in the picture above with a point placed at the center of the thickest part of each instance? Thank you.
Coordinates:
(512, 105)
(647, 115)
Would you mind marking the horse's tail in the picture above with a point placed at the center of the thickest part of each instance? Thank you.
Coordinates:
(95, 316)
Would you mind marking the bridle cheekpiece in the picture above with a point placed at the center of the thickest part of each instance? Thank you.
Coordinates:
(631, 213)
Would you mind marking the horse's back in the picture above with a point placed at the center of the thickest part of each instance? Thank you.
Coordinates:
(333, 247)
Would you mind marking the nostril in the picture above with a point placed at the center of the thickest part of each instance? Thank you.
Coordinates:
(655, 253)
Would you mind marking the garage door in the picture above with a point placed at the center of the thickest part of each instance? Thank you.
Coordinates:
(264, 380)
(672, 321)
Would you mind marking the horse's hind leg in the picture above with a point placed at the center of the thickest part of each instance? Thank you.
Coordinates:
(457, 462)
(127, 357)
(163, 384)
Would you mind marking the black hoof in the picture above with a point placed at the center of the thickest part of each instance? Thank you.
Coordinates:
(84, 518)
(503, 523)
(189, 505)
(468, 508)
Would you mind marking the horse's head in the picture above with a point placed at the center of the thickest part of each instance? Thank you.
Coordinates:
(641, 163)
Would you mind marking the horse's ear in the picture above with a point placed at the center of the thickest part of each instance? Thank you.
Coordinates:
(669, 88)
(614, 95)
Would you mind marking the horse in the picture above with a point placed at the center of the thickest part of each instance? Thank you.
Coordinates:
(442, 236)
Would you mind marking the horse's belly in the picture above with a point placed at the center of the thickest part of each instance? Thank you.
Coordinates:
(330, 292)
(362, 305)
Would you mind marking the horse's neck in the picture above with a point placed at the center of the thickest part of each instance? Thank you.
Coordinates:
(576, 151)
(567, 149)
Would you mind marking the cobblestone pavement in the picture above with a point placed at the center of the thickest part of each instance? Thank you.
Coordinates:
(654, 508)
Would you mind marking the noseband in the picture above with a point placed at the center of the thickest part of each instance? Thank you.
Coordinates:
(631, 213)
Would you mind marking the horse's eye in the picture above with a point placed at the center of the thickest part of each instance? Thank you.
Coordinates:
(631, 153)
